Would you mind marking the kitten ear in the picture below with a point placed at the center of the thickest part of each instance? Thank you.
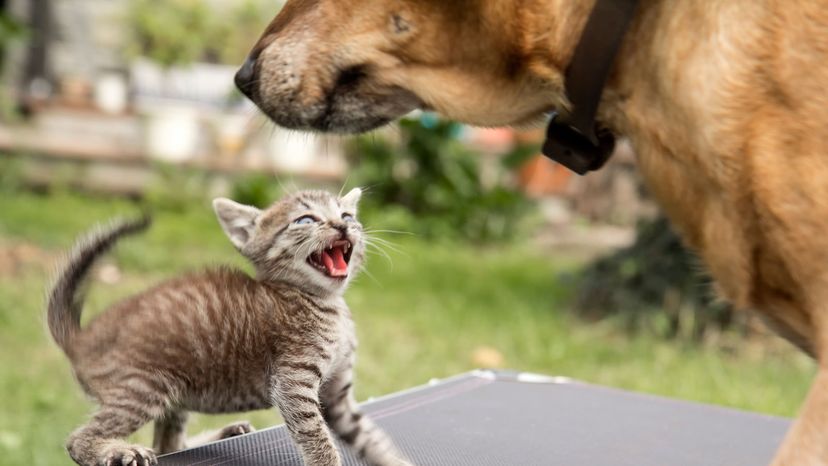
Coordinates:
(237, 220)
(351, 199)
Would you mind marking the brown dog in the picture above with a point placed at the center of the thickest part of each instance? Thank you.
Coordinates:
(725, 102)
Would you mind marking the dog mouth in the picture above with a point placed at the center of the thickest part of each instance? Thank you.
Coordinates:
(333, 261)
(349, 109)
(354, 102)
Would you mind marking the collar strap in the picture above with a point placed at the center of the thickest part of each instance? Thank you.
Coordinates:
(575, 140)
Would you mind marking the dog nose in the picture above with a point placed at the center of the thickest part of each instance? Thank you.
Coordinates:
(245, 77)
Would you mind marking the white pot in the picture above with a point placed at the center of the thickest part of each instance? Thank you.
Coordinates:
(172, 134)
(111, 93)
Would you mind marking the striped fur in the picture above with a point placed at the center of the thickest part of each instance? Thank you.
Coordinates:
(221, 341)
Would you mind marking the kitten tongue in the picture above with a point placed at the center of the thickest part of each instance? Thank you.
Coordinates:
(334, 261)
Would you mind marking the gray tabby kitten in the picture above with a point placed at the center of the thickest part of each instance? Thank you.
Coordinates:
(221, 341)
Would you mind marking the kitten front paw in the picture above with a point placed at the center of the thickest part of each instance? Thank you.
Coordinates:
(128, 455)
(235, 429)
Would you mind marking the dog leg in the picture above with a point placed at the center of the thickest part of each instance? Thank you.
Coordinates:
(807, 442)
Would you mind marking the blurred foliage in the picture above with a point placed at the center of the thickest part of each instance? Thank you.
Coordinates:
(656, 284)
(237, 30)
(11, 175)
(170, 32)
(430, 184)
(11, 30)
(519, 156)
(258, 190)
(179, 32)
(175, 189)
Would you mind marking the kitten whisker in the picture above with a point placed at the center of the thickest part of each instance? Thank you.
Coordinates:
(371, 248)
(388, 244)
(344, 183)
(396, 232)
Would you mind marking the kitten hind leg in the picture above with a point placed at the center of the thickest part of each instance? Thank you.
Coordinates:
(170, 432)
(100, 442)
(233, 430)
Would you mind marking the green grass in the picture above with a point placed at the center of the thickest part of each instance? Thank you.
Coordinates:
(422, 314)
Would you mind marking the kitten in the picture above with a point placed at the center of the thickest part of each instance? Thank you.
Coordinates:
(221, 341)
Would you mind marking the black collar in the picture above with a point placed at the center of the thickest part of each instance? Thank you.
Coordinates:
(575, 140)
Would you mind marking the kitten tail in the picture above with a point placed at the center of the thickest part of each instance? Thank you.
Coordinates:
(65, 300)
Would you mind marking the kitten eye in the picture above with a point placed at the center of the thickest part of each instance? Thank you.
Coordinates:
(306, 220)
(348, 218)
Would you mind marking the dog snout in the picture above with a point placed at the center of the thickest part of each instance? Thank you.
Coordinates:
(246, 76)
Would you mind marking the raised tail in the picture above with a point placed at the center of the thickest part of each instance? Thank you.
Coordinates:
(67, 292)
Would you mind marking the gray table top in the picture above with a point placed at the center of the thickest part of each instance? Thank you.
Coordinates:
(497, 418)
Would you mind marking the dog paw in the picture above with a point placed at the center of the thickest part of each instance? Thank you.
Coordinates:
(128, 455)
(235, 429)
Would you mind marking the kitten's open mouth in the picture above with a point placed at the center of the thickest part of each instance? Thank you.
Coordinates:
(333, 260)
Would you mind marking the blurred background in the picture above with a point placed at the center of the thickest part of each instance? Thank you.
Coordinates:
(486, 254)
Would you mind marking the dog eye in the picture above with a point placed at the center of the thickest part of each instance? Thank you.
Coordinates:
(306, 220)
(348, 218)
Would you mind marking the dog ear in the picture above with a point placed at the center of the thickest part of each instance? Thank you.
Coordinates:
(237, 220)
(350, 200)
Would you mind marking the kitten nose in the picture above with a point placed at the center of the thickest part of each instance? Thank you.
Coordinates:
(341, 227)
(245, 77)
